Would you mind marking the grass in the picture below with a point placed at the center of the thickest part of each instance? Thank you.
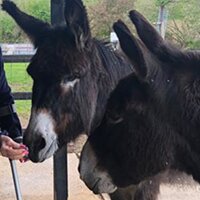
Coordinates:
(20, 81)
(17, 77)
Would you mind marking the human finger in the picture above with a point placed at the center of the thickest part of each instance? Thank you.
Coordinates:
(10, 142)
(13, 153)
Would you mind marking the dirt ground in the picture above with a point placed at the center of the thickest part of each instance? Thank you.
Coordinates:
(36, 182)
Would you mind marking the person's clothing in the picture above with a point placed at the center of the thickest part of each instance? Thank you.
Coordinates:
(1, 133)
(9, 122)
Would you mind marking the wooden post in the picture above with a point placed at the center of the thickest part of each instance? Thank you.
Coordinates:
(162, 20)
(60, 158)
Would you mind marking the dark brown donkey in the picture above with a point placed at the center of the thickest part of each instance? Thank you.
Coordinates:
(152, 119)
(73, 75)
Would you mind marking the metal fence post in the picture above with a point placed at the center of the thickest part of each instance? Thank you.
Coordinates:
(60, 159)
(57, 12)
(60, 175)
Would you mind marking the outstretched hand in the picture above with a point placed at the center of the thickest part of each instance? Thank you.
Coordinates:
(11, 149)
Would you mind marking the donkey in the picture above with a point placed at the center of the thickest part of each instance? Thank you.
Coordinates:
(151, 123)
(73, 75)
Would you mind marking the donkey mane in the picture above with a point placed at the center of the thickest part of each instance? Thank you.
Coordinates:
(112, 66)
(112, 60)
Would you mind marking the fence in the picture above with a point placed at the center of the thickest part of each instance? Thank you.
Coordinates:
(60, 159)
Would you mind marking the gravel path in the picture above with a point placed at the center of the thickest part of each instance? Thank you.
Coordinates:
(37, 183)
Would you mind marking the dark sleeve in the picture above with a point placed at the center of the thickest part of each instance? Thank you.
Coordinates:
(11, 122)
(0, 142)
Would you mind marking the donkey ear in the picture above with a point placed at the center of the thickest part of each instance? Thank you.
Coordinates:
(131, 47)
(146, 32)
(77, 20)
(152, 39)
(33, 27)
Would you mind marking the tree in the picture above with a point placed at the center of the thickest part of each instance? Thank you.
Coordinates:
(104, 13)
(184, 26)
(162, 16)
(164, 2)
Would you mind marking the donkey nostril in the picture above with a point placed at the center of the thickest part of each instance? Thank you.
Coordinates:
(24, 139)
(79, 168)
(41, 143)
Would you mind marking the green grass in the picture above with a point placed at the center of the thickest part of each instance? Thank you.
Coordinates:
(17, 77)
(20, 81)
(23, 109)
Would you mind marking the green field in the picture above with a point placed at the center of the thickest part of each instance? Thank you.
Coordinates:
(20, 81)
(17, 77)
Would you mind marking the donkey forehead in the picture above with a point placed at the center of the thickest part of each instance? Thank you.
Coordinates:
(57, 61)
(58, 55)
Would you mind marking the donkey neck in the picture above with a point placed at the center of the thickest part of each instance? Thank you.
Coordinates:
(114, 68)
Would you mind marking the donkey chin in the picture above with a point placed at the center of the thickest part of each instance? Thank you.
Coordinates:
(48, 151)
(96, 180)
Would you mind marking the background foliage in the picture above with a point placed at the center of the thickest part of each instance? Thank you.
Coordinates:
(9, 32)
(183, 24)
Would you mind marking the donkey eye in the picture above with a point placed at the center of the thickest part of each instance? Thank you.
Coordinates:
(114, 118)
(70, 78)
(69, 83)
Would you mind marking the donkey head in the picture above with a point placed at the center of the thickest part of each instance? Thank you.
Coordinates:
(109, 157)
(64, 87)
(162, 99)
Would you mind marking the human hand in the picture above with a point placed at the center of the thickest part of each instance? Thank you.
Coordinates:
(11, 149)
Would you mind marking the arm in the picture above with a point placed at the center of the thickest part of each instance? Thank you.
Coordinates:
(10, 121)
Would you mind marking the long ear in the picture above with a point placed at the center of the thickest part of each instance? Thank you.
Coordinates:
(152, 39)
(77, 20)
(131, 47)
(33, 27)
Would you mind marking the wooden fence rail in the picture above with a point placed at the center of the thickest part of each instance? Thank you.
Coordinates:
(22, 95)
(17, 58)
